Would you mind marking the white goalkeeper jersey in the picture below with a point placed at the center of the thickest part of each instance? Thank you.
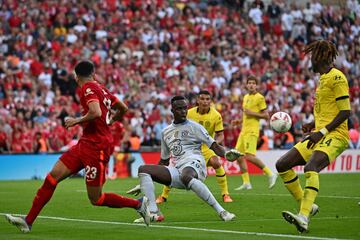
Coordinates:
(182, 142)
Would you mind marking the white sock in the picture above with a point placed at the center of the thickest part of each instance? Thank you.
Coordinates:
(204, 193)
(147, 187)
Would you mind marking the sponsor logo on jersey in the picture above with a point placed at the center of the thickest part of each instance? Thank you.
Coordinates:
(88, 91)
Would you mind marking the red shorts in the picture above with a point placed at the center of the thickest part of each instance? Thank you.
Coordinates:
(83, 155)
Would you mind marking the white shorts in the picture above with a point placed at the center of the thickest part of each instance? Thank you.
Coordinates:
(175, 172)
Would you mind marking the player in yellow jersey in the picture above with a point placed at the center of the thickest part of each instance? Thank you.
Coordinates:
(211, 120)
(254, 108)
(326, 138)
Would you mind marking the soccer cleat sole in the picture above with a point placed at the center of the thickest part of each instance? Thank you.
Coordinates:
(290, 219)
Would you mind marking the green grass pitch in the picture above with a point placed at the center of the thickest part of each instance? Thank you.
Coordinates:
(69, 214)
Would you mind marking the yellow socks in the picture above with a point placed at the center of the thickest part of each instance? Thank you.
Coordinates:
(245, 178)
(222, 180)
(165, 192)
(310, 193)
(267, 171)
(292, 183)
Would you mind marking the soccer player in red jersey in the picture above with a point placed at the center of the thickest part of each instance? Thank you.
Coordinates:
(92, 151)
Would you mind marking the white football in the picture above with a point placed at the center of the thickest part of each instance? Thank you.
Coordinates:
(280, 122)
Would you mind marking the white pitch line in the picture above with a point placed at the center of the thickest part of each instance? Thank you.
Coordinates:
(260, 194)
(188, 228)
(271, 219)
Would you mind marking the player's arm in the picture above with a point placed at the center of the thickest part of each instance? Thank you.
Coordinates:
(219, 130)
(120, 109)
(218, 149)
(94, 112)
(219, 137)
(342, 116)
(341, 90)
(264, 114)
(308, 127)
(164, 152)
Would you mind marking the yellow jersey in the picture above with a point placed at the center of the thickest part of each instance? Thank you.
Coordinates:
(211, 121)
(256, 103)
(332, 96)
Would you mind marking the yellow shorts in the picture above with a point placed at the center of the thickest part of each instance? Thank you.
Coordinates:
(329, 145)
(247, 143)
(207, 153)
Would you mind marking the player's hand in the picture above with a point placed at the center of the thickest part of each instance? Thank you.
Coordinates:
(70, 122)
(232, 155)
(306, 128)
(134, 191)
(312, 139)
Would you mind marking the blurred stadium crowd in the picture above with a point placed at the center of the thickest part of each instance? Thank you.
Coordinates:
(147, 51)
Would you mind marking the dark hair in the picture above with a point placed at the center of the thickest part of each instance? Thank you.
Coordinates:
(252, 78)
(176, 98)
(84, 68)
(322, 50)
(205, 92)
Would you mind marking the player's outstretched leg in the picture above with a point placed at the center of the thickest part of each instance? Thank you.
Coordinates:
(43, 195)
(204, 193)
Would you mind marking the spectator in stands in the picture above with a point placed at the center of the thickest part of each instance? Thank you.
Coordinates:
(41, 145)
(180, 47)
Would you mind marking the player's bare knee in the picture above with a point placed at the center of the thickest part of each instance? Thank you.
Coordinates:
(185, 179)
(280, 166)
(142, 169)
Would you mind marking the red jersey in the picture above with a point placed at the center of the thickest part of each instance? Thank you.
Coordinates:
(97, 131)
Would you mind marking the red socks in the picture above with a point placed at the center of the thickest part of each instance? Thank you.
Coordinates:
(117, 201)
(43, 195)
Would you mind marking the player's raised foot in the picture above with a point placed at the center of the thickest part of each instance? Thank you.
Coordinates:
(314, 210)
(135, 190)
(154, 217)
(160, 199)
(144, 211)
(301, 222)
(227, 198)
(272, 180)
(19, 222)
(245, 186)
(226, 216)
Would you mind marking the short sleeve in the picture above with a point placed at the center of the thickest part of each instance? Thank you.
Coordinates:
(165, 151)
(219, 123)
(341, 92)
(340, 86)
(262, 103)
(203, 135)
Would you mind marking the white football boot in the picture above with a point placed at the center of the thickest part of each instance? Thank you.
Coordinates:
(19, 222)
